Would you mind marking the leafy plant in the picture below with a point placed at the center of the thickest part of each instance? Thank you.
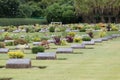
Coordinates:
(114, 28)
(52, 29)
(86, 38)
(57, 29)
(69, 39)
(63, 42)
(77, 39)
(44, 38)
(36, 39)
(1, 38)
(38, 49)
(9, 43)
(83, 29)
(57, 40)
(102, 33)
(16, 54)
(72, 34)
(90, 33)
(96, 27)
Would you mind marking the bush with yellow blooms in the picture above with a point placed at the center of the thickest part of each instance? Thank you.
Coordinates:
(16, 54)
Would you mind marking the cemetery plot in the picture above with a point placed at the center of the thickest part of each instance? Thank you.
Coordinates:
(45, 56)
(77, 46)
(64, 50)
(18, 63)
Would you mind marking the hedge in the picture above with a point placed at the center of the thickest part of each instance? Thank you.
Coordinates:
(21, 21)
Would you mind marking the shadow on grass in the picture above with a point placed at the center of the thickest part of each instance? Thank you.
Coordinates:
(78, 53)
(61, 59)
(5, 78)
(89, 48)
(40, 67)
(2, 66)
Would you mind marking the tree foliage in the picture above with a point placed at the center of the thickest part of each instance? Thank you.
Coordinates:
(66, 11)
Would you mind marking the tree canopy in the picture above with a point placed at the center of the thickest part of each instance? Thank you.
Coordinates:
(66, 11)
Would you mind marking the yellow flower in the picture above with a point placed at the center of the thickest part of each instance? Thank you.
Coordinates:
(16, 54)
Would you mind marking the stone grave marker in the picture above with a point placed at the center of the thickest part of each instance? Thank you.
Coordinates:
(4, 50)
(88, 42)
(51, 41)
(78, 46)
(46, 56)
(36, 43)
(105, 39)
(99, 40)
(16, 31)
(64, 50)
(18, 63)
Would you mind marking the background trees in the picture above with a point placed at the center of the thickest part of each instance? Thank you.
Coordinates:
(66, 11)
(98, 10)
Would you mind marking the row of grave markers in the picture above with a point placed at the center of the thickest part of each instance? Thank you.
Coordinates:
(26, 63)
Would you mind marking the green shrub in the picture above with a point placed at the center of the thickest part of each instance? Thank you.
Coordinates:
(86, 38)
(30, 29)
(14, 36)
(102, 34)
(38, 49)
(20, 21)
(28, 38)
(77, 39)
(9, 43)
(96, 27)
(62, 29)
(52, 29)
(72, 34)
(36, 39)
(114, 28)
(1, 38)
(44, 38)
(57, 30)
(63, 42)
(83, 29)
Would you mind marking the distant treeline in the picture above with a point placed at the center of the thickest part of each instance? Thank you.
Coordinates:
(65, 11)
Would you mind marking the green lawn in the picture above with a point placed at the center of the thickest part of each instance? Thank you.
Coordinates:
(98, 62)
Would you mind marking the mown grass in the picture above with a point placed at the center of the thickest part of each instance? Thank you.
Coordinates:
(97, 62)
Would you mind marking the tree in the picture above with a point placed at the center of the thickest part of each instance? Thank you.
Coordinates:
(25, 11)
(98, 9)
(68, 15)
(9, 8)
(54, 13)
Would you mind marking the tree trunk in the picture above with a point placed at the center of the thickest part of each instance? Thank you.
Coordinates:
(116, 20)
(109, 19)
(102, 19)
